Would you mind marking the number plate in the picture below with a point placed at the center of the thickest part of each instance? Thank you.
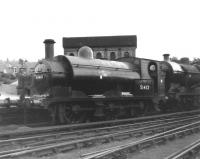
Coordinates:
(39, 77)
(144, 87)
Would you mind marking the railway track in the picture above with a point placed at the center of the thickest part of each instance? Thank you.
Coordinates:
(73, 127)
(93, 132)
(190, 151)
(123, 151)
(99, 135)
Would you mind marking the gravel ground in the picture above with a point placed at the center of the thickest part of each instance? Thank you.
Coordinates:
(13, 128)
(162, 151)
(8, 89)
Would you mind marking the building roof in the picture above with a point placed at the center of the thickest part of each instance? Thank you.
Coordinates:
(4, 65)
(100, 41)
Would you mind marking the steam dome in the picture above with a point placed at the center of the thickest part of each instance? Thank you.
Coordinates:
(85, 52)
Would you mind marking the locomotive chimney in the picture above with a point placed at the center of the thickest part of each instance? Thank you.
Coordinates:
(166, 57)
(185, 60)
(49, 48)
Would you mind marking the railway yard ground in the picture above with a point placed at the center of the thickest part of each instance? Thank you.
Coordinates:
(163, 151)
(157, 152)
(11, 128)
(14, 115)
(171, 132)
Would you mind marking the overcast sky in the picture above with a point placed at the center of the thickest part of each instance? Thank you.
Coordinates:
(161, 26)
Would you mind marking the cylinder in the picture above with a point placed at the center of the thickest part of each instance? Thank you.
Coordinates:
(49, 48)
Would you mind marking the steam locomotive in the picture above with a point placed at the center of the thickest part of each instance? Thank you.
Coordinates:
(82, 89)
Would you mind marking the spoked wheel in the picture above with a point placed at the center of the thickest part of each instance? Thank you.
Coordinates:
(64, 116)
(82, 117)
(61, 114)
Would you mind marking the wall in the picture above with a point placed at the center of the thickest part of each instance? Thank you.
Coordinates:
(105, 52)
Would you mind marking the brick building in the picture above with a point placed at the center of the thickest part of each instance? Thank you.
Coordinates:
(104, 47)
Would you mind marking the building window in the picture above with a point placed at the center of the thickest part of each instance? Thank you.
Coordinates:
(14, 69)
(126, 54)
(112, 56)
(98, 55)
(71, 54)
